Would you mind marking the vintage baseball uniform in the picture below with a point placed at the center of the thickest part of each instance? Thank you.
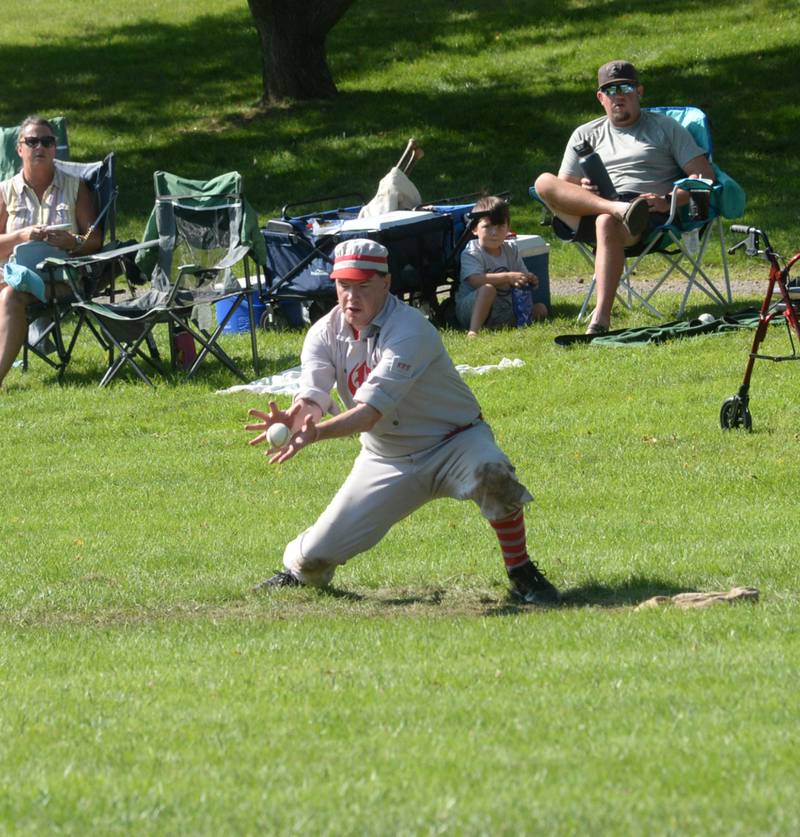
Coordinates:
(430, 441)
(648, 156)
(474, 260)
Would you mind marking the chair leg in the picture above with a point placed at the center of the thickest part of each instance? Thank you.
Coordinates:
(698, 278)
(587, 299)
(126, 352)
(53, 332)
(251, 316)
(724, 253)
(208, 343)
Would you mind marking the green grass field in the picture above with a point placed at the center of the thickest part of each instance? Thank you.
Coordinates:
(145, 688)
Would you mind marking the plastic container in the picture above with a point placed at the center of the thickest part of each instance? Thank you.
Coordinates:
(535, 252)
(240, 321)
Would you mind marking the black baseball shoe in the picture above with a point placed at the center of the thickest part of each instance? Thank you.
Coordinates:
(529, 585)
(280, 579)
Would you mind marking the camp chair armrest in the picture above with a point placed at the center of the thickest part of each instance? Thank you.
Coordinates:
(97, 258)
(197, 269)
(687, 184)
(695, 184)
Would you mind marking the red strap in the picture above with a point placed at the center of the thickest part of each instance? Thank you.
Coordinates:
(463, 428)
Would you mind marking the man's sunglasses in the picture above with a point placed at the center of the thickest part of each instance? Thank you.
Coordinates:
(34, 142)
(613, 89)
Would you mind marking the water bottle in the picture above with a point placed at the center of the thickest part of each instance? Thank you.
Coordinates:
(522, 304)
(593, 167)
(184, 348)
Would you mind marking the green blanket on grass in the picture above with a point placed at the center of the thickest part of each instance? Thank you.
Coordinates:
(747, 318)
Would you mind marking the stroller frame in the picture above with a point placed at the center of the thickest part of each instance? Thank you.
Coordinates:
(278, 288)
(434, 293)
(735, 412)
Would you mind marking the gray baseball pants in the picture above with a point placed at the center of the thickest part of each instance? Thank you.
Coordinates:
(380, 491)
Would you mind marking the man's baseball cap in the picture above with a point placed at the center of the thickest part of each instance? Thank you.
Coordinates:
(357, 259)
(615, 71)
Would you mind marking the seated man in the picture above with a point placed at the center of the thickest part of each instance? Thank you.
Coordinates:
(644, 153)
(40, 203)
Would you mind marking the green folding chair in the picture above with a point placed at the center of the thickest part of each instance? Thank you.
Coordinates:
(202, 245)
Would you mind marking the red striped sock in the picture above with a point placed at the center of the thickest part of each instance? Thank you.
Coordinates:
(510, 532)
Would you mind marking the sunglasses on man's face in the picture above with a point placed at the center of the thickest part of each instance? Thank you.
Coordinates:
(34, 142)
(613, 89)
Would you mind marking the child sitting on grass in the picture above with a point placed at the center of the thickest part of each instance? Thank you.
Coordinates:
(490, 268)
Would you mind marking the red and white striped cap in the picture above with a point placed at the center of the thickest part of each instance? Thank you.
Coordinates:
(357, 259)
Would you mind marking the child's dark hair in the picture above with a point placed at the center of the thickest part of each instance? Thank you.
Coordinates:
(493, 208)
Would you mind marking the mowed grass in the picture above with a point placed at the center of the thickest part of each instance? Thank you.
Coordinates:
(568, 722)
(146, 689)
(491, 90)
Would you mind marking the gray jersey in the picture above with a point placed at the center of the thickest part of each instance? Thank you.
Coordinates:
(646, 157)
(399, 366)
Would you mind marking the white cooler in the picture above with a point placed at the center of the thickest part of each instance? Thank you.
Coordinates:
(373, 223)
(535, 252)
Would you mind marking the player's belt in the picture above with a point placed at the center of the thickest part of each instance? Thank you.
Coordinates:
(464, 427)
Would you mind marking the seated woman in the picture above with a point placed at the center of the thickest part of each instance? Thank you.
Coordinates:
(32, 203)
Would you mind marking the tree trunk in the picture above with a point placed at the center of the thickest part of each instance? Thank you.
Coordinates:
(292, 34)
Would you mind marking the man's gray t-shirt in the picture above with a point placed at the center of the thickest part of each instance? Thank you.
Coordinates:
(646, 157)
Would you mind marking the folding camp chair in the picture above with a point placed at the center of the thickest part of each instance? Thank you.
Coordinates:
(683, 240)
(209, 230)
(46, 334)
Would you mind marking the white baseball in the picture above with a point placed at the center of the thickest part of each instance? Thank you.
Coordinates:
(278, 435)
(706, 318)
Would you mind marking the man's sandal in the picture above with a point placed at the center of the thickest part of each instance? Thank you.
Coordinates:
(637, 217)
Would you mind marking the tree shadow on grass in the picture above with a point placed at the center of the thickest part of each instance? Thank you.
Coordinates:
(145, 88)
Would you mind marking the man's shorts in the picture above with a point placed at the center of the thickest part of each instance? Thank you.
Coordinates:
(587, 231)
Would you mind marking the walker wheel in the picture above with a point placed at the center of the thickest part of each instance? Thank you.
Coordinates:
(735, 414)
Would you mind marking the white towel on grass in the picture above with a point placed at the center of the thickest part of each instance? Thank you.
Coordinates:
(288, 381)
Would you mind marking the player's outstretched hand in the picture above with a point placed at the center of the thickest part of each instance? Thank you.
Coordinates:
(302, 438)
(274, 416)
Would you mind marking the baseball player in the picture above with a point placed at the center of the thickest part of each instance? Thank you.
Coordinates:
(422, 433)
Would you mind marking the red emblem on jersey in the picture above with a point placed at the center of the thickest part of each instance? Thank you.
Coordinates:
(357, 376)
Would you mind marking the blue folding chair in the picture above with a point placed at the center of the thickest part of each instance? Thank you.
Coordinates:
(683, 240)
